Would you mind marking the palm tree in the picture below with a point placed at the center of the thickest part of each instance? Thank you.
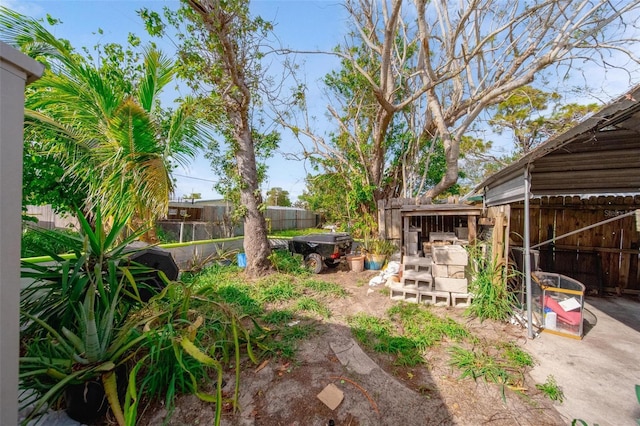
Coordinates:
(105, 124)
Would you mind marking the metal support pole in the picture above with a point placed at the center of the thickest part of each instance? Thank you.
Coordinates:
(527, 249)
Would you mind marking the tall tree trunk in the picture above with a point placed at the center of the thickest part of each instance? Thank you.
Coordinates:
(256, 244)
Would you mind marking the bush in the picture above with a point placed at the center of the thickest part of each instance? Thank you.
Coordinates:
(38, 242)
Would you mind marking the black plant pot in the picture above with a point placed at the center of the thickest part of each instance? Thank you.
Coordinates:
(87, 402)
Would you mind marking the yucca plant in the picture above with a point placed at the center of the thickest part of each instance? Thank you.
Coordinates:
(74, 315)
(97, 256)
(92, 351)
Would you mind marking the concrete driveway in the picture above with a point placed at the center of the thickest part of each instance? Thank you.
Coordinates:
(597, 374)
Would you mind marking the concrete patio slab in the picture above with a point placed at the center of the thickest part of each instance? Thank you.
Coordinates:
(598, 374)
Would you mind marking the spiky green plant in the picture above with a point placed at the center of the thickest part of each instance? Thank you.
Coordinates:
(491, 299)
(551, 389)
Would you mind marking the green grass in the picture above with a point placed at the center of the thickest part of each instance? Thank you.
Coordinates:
(286, 305)
(516, 355)
(492, 299)
(425, 327)
(478, 363)
(40, 242)
(274, 302)
(421, 330)
(278, 317)
(496, 362)
(286, 263)
(325, 288)
(551, 390)
(288, 233)
(276, 288)
(286, 340)
(309, 304)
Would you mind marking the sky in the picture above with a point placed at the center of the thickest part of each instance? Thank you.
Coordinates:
(299, 24)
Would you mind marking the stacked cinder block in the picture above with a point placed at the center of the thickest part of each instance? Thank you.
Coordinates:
(449, 263)
(416, 284)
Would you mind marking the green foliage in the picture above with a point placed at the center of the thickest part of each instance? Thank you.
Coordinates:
(516, 355)
(100, 258)
(288, 233)
(551, 390)
(378, 246)
(424, 327)
(325, 288)
(421, 330)
(94, 130)
(39, 242)
(522, 114)
(309, 304)
(501, 363)
(278, 317)
(491, 298)
(285, 262)
(220, 45)
(277, 289)
(75, 323)
(478, 364)
(45, 181)
(192, 340)
(278, 299)
(278, 197)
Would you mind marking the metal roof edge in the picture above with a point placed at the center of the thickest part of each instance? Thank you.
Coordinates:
(607, 115)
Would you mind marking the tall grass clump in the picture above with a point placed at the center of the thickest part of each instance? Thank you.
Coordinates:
(286, 263)
(488, 285)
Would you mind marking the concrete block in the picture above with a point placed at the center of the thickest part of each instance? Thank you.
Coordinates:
(416, 284)
(450, 255)
(417, 263)
(448, 271)
(417, 275)
(461, 300)
(403, 294)
(440, 271)
(453, 285)
(437, 298)
(456, 271)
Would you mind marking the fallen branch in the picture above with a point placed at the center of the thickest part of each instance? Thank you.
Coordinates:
(364, 392)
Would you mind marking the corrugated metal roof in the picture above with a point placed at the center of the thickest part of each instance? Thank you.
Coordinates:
(600, 156)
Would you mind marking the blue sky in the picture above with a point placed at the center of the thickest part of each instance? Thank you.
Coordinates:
(299, 24)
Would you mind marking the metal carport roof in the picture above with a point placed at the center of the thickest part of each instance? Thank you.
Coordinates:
(599, 156)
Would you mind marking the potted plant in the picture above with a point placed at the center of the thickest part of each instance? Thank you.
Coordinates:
(75, 319)
(376, 251)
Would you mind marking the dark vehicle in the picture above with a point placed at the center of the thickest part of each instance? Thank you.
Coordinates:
(322, 249)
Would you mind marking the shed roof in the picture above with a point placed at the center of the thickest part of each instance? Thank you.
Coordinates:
(599, 156)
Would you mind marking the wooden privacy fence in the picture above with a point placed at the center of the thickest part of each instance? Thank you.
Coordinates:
(604, 258)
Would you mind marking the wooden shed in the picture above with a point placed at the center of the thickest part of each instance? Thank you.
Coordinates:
(584, 183)
(411, 222)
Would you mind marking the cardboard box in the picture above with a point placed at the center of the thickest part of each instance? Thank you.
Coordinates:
(450, 255)
(452, 285)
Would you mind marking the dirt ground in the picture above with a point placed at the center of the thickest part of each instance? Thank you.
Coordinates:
(375, 391)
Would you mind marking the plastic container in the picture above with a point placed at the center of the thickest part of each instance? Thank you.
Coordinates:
(550, 320)
(242, 260)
